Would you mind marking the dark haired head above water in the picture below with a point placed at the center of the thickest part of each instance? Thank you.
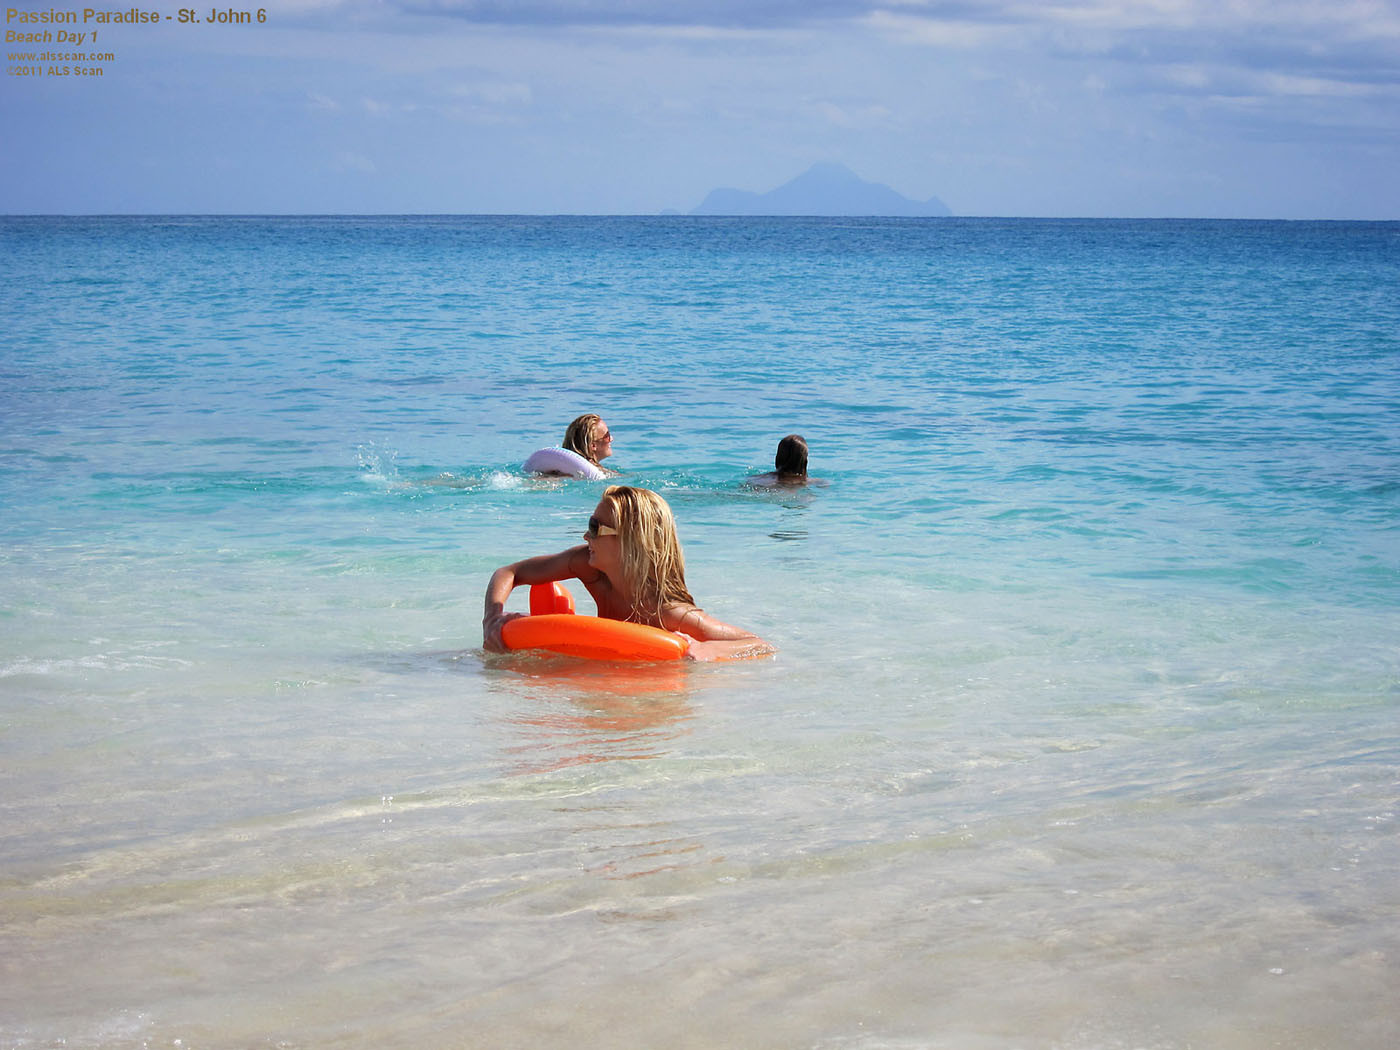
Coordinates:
(789, 465)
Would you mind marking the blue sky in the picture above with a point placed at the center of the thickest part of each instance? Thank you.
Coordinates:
(1193, 108)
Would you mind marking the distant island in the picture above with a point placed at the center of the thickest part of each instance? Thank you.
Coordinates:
(823, 189)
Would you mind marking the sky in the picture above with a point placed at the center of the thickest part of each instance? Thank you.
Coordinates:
(1281, 109)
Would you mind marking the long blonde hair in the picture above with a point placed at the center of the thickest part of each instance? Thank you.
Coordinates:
(653, 566)
(579, 437)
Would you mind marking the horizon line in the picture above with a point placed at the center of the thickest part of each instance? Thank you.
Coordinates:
(657, 215)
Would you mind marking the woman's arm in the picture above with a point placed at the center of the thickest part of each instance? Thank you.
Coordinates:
(546, 568)
(714, 639)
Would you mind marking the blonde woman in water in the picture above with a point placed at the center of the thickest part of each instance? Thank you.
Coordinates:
(589, 437)
(632, 565)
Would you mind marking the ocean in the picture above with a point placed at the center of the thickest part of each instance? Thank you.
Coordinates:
(1083, 730)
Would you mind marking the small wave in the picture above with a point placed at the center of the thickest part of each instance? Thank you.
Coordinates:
(90, 281)
(40, 667)
(379, 466)
(487, 479)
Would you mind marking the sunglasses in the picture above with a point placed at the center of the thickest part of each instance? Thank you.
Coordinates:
(596, 528)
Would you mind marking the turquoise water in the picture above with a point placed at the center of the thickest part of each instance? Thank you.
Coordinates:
(1083, 730)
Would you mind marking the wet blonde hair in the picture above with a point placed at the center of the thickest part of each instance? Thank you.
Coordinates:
(653, 566)
(579, 437)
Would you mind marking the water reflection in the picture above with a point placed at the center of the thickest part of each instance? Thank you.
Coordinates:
(582, 712)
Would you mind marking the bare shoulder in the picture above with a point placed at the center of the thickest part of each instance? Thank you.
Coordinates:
(761, 481)
(774, 480)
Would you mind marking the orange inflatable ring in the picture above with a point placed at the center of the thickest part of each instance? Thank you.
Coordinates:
(552, 625)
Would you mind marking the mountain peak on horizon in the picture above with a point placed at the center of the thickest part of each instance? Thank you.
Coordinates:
(826, 188)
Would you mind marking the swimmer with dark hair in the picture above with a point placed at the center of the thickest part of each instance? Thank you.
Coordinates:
(789, 466)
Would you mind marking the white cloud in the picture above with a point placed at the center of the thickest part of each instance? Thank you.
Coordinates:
(497, 93)
(853, 116)
(912, 28)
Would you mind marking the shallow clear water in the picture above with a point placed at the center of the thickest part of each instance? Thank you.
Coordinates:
(1083, 732)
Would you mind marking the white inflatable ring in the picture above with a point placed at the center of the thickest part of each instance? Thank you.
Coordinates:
(562, 461)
